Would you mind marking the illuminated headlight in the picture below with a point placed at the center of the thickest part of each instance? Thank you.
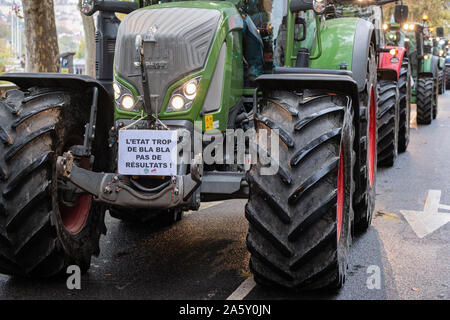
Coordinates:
(426, 57)
(385, 26)
(124, 97)
(393, 52)
(441, 53)
(406, 26)
(177, 102)
(117, 91)
(127, 102)
(183, 97)
(190, 90)
(319, 6)
(412, 27)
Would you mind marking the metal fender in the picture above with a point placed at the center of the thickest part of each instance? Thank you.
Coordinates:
(429, 66)
(388, 61)
(441, 63)
(76, 83)
(346, 40)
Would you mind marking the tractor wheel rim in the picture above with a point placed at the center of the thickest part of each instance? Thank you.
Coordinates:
(340, 194)
(372, 137)
(74, 218)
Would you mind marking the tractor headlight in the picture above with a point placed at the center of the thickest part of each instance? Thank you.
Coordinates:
(412, 27)
(319, 6)
(117, 91)
(190, 89)
(177, 102)
(441, 53)
(406, 26)
(127, 102)
(393, 52)
(385, 26)
(426, 57)
(183, 97)
(124, 98)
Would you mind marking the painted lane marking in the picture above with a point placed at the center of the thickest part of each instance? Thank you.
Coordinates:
(243, 290)
(430, 219)
(207, 205)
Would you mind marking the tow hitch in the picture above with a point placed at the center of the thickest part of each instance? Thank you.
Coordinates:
(117, 190)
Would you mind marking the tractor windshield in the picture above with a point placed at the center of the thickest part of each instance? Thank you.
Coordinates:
(268, 17)
(265, 19)
(264, 34)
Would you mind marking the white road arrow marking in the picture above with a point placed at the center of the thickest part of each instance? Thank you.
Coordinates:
(243, 290)
(430, 219)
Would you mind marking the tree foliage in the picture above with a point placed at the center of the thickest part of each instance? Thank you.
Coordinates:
(437, 10)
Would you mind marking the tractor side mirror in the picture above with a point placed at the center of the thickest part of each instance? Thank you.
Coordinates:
(401, 13)
(440, 32)
(301, 5)
(89, 7)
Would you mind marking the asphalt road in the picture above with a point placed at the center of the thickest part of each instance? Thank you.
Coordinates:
(204, 256)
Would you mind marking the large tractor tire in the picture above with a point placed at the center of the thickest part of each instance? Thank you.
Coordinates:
(41, 232)
(425, 100)
(364, 198)
(447, 77)
(435, 99)
(441, 76)
(388, 123)
(300, 218)
(404, 89)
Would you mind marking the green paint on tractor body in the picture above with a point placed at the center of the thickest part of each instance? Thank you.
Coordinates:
(331, 46)
(420, 50)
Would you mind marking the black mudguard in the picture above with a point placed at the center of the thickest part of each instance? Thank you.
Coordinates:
(387, 74)
(59, 80)
(78, 83)
(364, 36)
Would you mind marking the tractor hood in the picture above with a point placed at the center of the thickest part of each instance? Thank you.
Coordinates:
(179, 45)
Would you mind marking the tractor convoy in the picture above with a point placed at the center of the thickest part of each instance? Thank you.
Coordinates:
(326, 82)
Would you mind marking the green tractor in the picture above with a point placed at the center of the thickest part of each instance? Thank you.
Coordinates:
(394, 87)
(173, 80)
(440, 49)
(424, 65)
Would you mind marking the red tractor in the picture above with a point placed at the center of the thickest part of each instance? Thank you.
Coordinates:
(393, 114)
(393, 81)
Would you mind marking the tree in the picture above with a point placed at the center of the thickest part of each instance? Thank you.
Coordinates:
(89, 36)
(41, 37)
(437, 11)
(5, 55)
(66, 43)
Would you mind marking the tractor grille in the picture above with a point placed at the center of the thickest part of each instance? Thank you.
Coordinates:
(183, 39)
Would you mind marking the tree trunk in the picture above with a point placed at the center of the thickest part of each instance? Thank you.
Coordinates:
(41, 37)
(89, 38)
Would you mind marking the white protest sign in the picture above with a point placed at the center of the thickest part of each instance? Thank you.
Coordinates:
(148, 152)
